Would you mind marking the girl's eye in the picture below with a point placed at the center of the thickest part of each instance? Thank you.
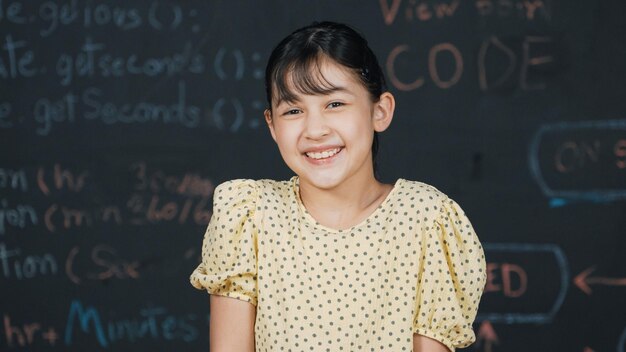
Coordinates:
(292, 112)
(335, 104)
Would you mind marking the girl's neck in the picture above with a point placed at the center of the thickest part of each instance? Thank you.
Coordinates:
(345, 205)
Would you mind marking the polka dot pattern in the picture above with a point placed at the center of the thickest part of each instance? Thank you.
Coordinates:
(415, 265)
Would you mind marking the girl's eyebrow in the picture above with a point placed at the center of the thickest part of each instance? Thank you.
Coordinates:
(335, 89)
(339, 89)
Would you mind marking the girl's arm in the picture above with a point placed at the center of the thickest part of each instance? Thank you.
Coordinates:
(231, 327)
(426, 344)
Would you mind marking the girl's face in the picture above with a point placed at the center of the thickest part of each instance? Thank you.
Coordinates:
(327, 139)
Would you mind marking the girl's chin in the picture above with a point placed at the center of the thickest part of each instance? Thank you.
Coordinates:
(321, 181)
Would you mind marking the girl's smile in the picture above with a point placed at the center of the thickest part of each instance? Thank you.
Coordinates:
(323, 157)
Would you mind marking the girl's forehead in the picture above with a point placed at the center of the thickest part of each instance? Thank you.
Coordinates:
(320, 77)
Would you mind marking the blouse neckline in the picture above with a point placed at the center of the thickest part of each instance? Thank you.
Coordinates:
(295, 183)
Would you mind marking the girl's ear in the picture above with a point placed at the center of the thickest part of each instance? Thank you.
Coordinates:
(383, 111)
(268, 119)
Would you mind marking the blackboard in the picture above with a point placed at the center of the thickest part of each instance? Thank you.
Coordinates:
(118, 119)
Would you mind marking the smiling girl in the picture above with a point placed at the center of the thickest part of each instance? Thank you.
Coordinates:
(333, 259)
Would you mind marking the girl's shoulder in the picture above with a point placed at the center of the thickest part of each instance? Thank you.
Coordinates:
(419, 190)
(416, 197)
(254, 190)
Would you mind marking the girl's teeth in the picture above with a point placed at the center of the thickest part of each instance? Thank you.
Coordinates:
(324, 154)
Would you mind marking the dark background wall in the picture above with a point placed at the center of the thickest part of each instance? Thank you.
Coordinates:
(118, 118)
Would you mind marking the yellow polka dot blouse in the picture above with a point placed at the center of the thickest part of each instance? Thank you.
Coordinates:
(414, 265)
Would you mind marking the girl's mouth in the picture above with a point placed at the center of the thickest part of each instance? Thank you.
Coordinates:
(323, 155)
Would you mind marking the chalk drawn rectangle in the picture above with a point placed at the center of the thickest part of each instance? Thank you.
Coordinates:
(562, 196)
(537, 318)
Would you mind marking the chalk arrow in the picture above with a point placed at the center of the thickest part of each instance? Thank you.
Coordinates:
(486, 334)
(583, 281)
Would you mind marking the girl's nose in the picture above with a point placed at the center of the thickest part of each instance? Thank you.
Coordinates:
(316, 126)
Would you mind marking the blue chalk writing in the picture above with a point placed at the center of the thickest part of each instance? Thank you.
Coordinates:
(161, 16)
(48, 112)
(19, 216)
(151, 323)
(84, 317)
(90, 15)
(15, 266)
(16, 60)
(92, 60)
(179, 113)
(13, 179)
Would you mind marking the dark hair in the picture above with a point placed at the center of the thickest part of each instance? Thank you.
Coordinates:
(298, 57)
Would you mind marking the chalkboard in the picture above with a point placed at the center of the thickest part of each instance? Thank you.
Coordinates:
(119, 118)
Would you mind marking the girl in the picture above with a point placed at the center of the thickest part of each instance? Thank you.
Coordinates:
(333, 259)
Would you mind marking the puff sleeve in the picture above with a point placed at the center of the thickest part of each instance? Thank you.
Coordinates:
(451, 279)
(229, 248)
